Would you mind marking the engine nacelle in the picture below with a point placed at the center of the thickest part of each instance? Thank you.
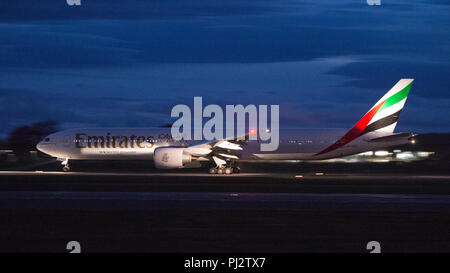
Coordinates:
(170, 158)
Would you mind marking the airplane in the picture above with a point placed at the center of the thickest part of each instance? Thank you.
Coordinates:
(375, 130)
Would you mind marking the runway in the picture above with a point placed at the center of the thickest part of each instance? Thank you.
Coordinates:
(227, 200)
(129, 174)
(256, 182)
(275, 175)
(197, 212)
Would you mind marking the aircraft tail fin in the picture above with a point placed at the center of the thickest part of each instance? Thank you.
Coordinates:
(387, 110)
(382, 117)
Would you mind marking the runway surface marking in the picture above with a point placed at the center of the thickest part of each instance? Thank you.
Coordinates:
(196, 196)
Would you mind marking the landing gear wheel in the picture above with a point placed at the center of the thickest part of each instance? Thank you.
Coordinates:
(228, 170)
(66, 169)
(220, 171)
(213, 170)
(236, 170)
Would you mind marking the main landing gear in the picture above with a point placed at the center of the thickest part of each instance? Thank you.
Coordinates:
(224, 170)
(224, 166)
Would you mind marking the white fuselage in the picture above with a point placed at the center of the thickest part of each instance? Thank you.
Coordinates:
(140, 143)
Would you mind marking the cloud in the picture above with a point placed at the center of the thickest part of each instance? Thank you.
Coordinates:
(152, 92)
(43, 46)
(22, 10)
(141, 57)
(112, 33)
(431, 78)
(20, 107)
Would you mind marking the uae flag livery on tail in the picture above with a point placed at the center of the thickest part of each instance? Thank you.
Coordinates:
(382, 117)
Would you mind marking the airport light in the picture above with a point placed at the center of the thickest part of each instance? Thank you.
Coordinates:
(424, 154)
(380, 160)
(369, 153)
(381, 153)
(405, 155)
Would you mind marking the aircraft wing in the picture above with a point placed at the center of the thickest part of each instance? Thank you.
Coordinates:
(220, 151)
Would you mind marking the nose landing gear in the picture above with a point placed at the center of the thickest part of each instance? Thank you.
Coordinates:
(66, 167)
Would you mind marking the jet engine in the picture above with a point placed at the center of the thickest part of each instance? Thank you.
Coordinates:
(170, 158)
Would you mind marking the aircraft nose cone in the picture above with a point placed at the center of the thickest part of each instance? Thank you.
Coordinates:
(40, 147)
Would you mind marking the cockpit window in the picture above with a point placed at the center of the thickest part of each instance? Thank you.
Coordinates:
(47, 139)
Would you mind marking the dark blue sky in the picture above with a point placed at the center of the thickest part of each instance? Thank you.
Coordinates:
(126, 63)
